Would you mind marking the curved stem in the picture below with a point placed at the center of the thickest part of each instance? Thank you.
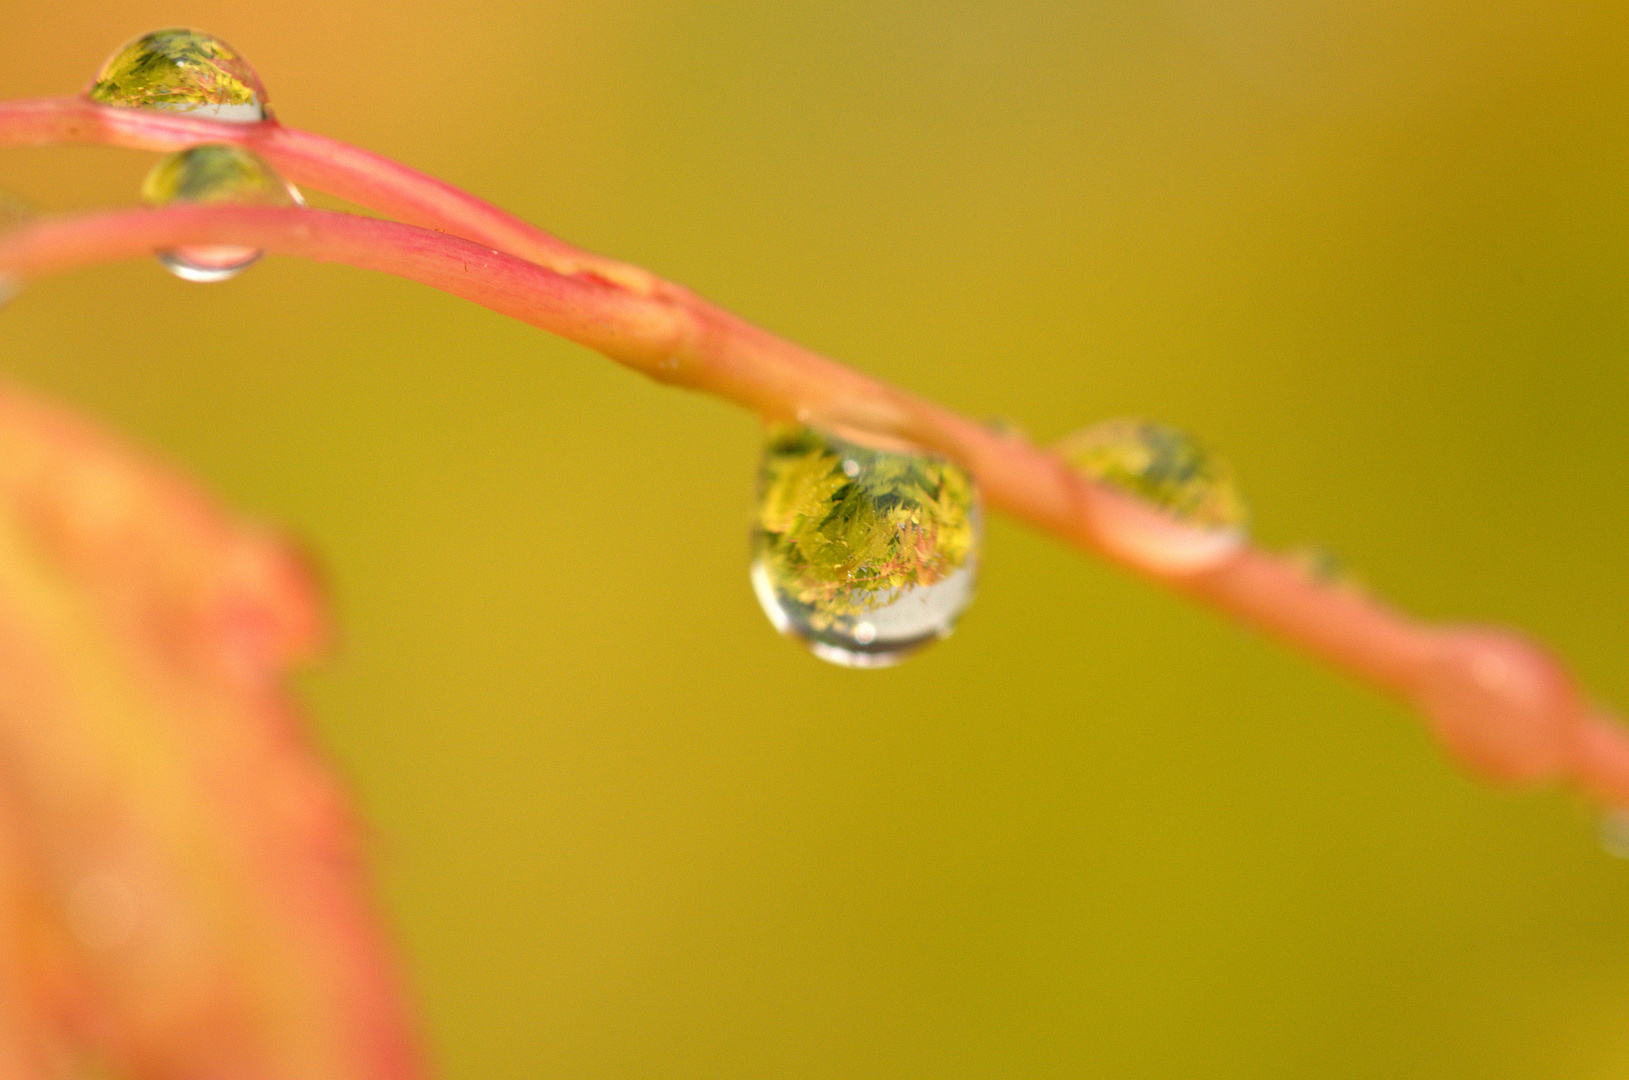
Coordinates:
(349, 172)
(1502, 705)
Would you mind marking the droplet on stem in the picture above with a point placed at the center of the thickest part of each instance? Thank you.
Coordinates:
(1323, 566)
(1199, 517)
(214, 173)
(185, 71)
(865, 553)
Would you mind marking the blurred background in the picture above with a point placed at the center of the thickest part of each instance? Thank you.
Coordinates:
(1376, 254)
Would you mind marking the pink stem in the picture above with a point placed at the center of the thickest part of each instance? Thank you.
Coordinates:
(1503, 706)
(349, 172)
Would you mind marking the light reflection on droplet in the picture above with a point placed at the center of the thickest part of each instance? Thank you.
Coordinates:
(214, 173)
(865, 554)
(185, 71)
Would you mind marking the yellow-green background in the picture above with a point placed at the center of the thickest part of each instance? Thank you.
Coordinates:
(1377, 253)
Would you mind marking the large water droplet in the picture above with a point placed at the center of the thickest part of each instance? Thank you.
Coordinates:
(865, 553)
(180, 70)
(1197, 517)
(214, 173)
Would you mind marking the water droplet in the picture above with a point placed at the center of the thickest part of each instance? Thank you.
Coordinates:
(1160, 465)
(1199, 518)
(1007, 428)
(867, 554)
(185, 71)
(214, 173)
(1612, 830)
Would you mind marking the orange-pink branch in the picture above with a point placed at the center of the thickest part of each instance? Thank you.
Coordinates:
(349, 172)
(1502, 705)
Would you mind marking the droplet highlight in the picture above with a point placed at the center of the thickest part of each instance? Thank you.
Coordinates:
(865, 553)
(184, 71)
(1188, 514)
(214, 173)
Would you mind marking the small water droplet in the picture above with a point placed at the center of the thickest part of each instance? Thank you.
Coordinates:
(1612, 830)
(1007, 428)
(185, 71)
(214, 173)
(1199, 517)
(865, 554)
(1324, 566)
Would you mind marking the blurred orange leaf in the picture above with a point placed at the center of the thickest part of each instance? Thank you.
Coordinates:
(180, 888)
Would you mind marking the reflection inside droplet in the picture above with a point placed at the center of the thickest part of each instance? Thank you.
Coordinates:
(180, 70)
(1194, 515)
(864, 554)
(214, 173)
(1160, 465)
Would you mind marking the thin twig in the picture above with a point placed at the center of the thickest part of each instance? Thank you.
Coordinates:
(1503, 706)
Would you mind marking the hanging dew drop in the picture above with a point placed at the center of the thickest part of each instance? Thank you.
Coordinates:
(214, 173)
(865, 554)
(1199, 518)
(184, 71)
